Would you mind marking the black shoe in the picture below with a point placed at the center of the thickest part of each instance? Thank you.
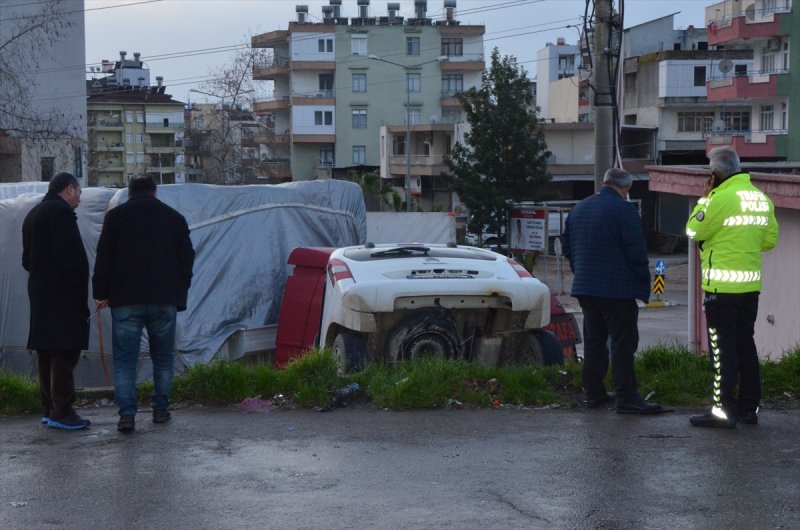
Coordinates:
(596, 403)
(748, 418)
(710, 420)
(126, 424)
(70, 423)
(161, 415)
(638, 406)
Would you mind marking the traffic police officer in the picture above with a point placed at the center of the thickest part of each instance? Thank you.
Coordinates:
(732, 224)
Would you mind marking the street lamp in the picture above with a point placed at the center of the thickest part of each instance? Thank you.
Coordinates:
(408, 68)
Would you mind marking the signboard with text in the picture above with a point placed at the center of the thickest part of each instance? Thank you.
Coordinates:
(527, 229)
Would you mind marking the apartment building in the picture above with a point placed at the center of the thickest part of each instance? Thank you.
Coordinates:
(134, 128)
(766, 92)
(347, 91)
(558, 82)
(42, 103)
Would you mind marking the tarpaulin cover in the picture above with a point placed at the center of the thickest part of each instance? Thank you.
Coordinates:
(242, 236)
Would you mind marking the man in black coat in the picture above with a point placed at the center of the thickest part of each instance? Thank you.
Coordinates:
(58, 289)
(143, 272)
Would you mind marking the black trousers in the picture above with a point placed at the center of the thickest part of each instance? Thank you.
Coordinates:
(56, 382)
(610, 328)
(734, 359)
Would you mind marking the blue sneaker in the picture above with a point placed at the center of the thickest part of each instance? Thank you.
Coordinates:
(45, 420)
(70, 423)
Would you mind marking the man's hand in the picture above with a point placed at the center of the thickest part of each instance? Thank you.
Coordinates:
(101, 304)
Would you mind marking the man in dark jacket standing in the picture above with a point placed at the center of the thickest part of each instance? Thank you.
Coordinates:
(606, 248)
(58, 289)
(143, 272)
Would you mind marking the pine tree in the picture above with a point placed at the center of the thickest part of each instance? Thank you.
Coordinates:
(505, 156)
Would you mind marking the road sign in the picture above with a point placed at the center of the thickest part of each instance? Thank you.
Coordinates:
(661, 267)
(658, 285)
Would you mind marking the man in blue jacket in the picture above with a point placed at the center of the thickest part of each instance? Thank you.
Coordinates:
(607, 251)
(143, 272)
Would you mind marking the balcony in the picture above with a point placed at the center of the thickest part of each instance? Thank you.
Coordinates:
(271, 104)
(107, 124)
(159, 149)
(270, 69)
(323, 97)
(424, 165)
(472, 62)
(109, 146)
(450, 98)
(754, 86)
(276, 138)
(271, 39)
(749, 24)
(314, 138)
(748, 144)
(163, 127)
(277, 169)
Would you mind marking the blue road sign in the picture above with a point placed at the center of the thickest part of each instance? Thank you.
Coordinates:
(661, 267)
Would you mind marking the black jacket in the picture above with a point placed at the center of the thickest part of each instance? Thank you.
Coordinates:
(58, 283)
(144, 255)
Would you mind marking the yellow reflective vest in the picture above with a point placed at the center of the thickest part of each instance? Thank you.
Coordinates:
(733, 225)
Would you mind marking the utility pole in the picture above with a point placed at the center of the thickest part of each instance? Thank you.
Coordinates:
(603, 92)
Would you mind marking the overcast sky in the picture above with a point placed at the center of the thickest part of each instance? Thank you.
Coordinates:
(200, 33)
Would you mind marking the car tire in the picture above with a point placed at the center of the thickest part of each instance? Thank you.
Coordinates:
(540, 347)
(430, 332)
(350, 350)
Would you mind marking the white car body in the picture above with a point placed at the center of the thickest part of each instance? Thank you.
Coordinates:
(372, 289)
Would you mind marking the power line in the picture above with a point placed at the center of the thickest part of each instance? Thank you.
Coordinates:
(74, 11)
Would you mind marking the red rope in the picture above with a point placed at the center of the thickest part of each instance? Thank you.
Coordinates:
(102, 348)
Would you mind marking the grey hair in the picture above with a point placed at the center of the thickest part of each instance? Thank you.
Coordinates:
(618, 177)
(724, 160)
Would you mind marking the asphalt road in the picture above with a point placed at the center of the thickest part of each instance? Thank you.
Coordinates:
(366, 468)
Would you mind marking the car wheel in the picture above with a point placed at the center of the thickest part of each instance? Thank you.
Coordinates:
(540, 347)
(350, 350)
(431, 333)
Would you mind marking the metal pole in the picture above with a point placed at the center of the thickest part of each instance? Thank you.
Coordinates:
(603, 87)
(691, 285)
(408, 143)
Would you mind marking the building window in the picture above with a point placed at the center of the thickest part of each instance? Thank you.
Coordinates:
(398, 144)
(414, 117)
(695, 121)
(326, 84)
(767, 117)
(359, 155)
(128, 138)
(324, 45)
(702, 45)
(736, 120)
(740, 70)
(767, 61)
(359, 82)
(453, 47)
(360, 119)
(451, 116)
(414, 82)
(48, 164)
(699, 76)
(130, 158)
(358, 44)
(326, 155)
(139, 138)
(784, 116)
(129, 116)
(412, 45)
(452, 85)
(140, 158)
(139, 116)
(323, 117)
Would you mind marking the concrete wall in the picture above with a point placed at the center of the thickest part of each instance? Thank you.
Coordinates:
(563, 100)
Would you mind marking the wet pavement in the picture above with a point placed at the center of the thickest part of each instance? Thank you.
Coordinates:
(367, 468)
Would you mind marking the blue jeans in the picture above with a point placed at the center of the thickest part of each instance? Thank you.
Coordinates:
(128, 322)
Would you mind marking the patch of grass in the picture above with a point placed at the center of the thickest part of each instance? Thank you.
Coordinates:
(673, 375)
(781, 379)
(312, 378)
(18, 394)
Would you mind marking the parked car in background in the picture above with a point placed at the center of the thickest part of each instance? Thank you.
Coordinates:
(394, 303)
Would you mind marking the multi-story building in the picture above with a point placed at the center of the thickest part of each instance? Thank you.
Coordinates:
(336, 83)
(558, 82)
(42, 101)
(766, 92)
(134, 128)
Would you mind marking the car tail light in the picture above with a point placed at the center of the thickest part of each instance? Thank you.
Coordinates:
(521, 271)
(338, 270)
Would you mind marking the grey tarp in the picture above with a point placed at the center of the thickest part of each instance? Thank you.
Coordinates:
(242, 236)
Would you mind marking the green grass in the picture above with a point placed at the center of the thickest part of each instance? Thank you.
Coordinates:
(668, 374)
(18, 394)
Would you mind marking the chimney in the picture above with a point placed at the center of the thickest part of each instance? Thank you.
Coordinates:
(449, 10)
(393, 8)
(363, 8)
(420, 8)
(302, 13)
(561, 41)
(136, 56)
(141, 81)
(122, 55)
(327, 13)
(107, 66)
(126, 82)
(337, 8)
(159, 80)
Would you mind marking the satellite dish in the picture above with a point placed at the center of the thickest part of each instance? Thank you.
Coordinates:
(750, 12)
(725, 66)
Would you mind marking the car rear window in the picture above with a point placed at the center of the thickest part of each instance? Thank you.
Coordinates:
(416, 251)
